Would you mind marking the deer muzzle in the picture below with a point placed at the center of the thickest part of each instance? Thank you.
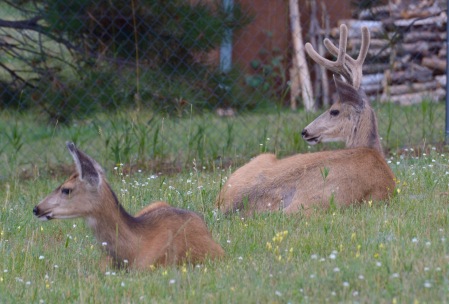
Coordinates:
(311, 140)
(42, 215)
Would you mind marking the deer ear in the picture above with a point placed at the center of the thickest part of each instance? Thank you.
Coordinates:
(88, 169)
(348, 94)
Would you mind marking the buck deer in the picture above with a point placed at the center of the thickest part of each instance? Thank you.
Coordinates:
(304, 181)
(158, 235)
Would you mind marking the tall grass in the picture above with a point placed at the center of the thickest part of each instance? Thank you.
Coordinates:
(145, 137)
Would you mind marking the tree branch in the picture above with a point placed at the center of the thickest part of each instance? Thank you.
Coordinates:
(29, 24)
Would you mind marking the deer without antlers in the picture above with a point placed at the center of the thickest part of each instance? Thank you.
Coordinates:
(304, 181)
(158, 235)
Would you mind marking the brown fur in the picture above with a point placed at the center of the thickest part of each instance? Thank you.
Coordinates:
(299, 183)
(303, 181)
(158, 235)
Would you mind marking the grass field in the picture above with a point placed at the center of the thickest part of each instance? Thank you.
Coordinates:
(373, 253)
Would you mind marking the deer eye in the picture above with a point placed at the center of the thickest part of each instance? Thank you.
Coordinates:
(334, 112)
(66, 191)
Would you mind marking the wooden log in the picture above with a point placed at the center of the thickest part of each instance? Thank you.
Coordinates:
(426, 35)
(375, 27)
(419, 47)
(378, 53)
(443, 51)
(434, 63)
(372, 79)
(300, 56)
(412, 87)
(295, 88)
(421, 8)
(355, 43)
(441, 79)
(436, 21)
(415, 98)
(358, 24)
(372, 68)
(377, 12)
(414, 73)
(373, 89)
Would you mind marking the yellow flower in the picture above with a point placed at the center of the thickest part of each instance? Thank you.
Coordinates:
(290, 254)
(398, 190)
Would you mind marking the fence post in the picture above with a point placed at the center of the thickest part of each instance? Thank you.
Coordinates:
(226, 45)
(447, 80)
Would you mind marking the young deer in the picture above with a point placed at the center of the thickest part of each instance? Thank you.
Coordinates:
(304, 181)
(158, 235)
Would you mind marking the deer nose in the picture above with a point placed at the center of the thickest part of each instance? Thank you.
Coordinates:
(304, 133)
(35, 210)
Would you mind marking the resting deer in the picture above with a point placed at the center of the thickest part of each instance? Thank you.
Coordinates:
(158, 235)
(304, 181)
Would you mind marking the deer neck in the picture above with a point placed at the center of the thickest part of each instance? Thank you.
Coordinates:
(365, 132)
(114, 228)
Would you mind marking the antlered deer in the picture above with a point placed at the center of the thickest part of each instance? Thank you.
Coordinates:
(158, 235)
(303, 181)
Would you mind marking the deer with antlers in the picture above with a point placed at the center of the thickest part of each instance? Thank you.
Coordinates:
(303, 182)
(158, 235)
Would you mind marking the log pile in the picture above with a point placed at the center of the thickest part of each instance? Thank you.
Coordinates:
(406, 62)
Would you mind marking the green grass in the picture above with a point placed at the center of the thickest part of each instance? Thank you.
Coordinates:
(376, 252)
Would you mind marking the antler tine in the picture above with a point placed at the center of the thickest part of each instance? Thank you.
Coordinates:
(353, 66)
(337, 66)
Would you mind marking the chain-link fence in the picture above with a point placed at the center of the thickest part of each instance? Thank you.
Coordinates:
(212, 81)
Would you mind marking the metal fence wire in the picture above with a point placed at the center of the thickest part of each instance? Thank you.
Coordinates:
(65, 63)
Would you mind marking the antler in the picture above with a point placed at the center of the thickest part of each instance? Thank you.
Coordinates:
(349, 68)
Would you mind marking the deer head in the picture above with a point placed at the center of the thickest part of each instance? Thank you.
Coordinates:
(350, 119)
(83, 186)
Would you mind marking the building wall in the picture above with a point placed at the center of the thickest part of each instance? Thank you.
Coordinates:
(270, 27)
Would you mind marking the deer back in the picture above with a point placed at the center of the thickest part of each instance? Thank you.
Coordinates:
(306, 181)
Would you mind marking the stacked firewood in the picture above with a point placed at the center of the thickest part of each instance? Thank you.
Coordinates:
(406, 62)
